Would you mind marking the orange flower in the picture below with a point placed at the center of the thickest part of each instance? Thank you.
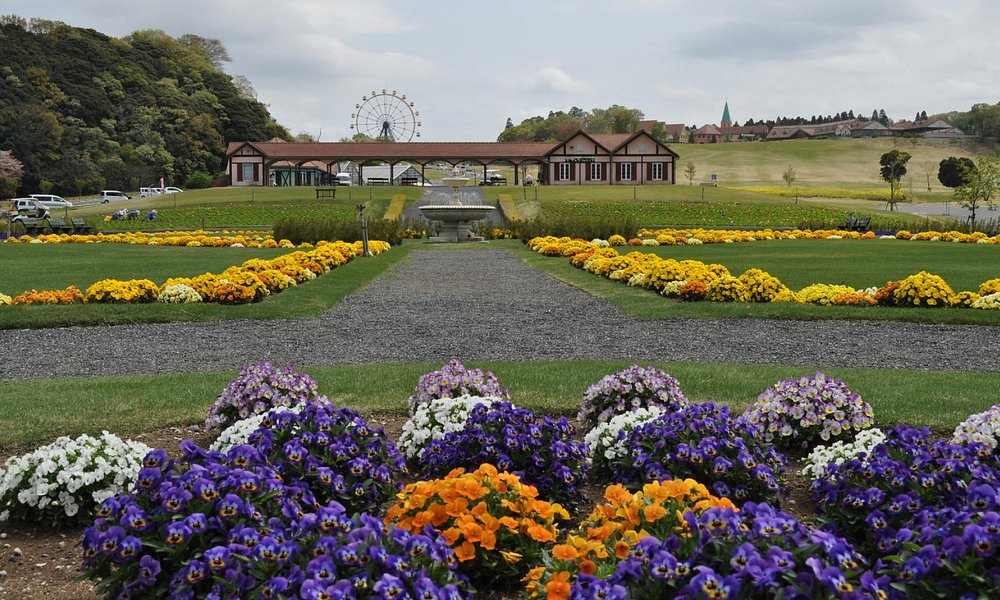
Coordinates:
(617, 494)
(653, 513)
(564, 552)
(558, 587)
(588, 567)
(466, 551)
(621, 549)
(540, 534)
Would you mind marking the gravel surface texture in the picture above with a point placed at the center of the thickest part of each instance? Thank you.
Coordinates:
(485, 304)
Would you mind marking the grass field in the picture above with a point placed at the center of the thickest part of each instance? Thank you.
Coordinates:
(849, 163)
(38, 412)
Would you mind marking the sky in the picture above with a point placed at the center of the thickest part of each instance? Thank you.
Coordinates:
(469, 66)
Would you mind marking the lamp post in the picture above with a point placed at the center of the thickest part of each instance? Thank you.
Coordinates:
(364, 230)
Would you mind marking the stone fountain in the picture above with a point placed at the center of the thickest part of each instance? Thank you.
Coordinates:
(456, 218)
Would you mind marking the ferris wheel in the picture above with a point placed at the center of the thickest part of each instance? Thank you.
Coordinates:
(386, 117)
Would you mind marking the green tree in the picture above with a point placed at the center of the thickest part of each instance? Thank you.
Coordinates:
(954, 171)
(789, 175)
(981, 187)
(690, 170)
(893, 167)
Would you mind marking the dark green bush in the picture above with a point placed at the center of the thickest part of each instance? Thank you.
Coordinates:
(312, 230)
(198, 181)
(577, 227)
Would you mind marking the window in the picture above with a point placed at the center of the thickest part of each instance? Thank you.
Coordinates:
(248, 172)
(657, 172)
(596, 173)
(626, 172)
(564, 169)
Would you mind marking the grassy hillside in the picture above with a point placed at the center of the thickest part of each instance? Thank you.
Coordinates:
(818, 163)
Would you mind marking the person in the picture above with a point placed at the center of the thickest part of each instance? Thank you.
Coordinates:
(151, 215)
(528, 180)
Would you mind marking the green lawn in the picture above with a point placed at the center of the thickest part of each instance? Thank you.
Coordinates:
(37, 412)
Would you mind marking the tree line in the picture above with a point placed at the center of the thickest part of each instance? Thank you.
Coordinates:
(81, 111)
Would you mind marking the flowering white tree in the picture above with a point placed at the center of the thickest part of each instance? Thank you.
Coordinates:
(11, 170)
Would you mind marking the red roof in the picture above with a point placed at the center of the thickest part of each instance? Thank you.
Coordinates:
(334, 151)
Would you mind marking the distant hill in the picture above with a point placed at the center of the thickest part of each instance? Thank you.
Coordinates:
(842, 163)
(83, 111)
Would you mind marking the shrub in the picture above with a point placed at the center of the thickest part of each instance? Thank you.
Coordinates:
(579, 226)
(198, 181)
(454, 380)
(706, 443)
(496, 524)
(991, 286)
(312, 230)
(613, 528)
(800, 412)
(332, 452)
(627, 390)
(693, 291)
(259, 388)
(434, 420)
(608, 441)
(822, 293)
(65, 481)
(758, 552)
(541, 451)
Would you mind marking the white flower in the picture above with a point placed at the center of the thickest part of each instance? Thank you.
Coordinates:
(68, 477)
(609, 439)
(840, 452)
(983, 428)
(239, 432)
(435, 420)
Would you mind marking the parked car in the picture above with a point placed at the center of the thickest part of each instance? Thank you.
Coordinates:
(28, 208)
(52, 201)
(342, 179)
(172, 190)
(146, 192)
(112, 196)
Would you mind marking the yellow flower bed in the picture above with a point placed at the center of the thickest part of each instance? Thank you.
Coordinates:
(691, 280)
(239, 284)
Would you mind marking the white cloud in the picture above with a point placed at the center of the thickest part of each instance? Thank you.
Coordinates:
(553, 80)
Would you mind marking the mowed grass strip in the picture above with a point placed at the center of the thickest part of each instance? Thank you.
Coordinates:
(36, 412)
(94, 262)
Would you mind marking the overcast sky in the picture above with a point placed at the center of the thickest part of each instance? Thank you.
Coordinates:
(468, 66)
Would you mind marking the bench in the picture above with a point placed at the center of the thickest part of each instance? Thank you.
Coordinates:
(60, 226)
(33, 226)
(408, 181)
(330, 192)
(857, 223)
(80, 226)
(377, 181)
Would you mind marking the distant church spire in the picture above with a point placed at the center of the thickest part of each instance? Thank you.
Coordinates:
(726, 120)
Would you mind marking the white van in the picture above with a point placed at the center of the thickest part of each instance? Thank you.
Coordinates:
(342, 179)
(112, 196)
(28, 207)
(146, 192)
(52, 201)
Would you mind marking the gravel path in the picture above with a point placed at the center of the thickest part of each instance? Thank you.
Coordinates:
(485, 304)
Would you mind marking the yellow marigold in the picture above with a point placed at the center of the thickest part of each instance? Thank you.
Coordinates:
(115, 291)
(964, 299)
(786, 295)
(616, 240)
(760, 285)
(822, 293)
(988, 287)
(924, 289)
(726, 289)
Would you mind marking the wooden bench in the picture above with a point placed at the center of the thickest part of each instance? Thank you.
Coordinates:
(409, 180)
(377, 181)
(33, 226)
(60, 226)
(857, 223)
(80, 226)
(330, 192)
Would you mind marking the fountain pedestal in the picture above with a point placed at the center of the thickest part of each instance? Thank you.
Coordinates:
(456, 218)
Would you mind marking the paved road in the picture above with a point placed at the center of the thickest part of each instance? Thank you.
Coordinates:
(485, 304)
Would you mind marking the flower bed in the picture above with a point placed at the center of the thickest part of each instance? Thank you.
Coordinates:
(691, 280)
(250, 282)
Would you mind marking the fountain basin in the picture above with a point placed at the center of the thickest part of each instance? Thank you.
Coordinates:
(456, 221)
